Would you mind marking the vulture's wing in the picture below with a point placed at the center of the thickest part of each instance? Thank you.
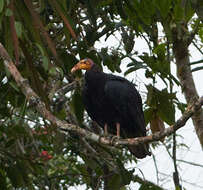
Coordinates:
(127, 102)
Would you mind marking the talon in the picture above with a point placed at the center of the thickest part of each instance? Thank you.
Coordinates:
(113, 138)
(117, 133)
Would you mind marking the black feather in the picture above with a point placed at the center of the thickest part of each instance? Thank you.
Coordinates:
(111, 99)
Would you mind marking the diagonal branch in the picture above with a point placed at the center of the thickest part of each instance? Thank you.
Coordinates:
(38, 23)
(14, 33)
(63, 125)
(63, 16)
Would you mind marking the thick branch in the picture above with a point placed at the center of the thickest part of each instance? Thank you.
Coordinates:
(40, 106)
(184, 73)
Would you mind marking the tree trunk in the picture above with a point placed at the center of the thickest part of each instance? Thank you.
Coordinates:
(181, 52)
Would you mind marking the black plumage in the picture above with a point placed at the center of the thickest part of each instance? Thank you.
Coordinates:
(113, 101)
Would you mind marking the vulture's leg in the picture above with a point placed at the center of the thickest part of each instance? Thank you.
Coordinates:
(105, 129)
(118, 130)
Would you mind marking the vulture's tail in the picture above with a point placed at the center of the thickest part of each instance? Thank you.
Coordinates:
(140, 151)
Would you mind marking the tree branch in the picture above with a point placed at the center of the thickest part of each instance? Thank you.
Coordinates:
(197, 69)
(175, 173)
(69, 87)
(63, 125)
(181, 53)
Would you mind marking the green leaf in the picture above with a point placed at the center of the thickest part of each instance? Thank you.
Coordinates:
(151, 100)
(135, 67)
(189, 12)
(4, 110)
(18, 27)
(15, 176)
(1, 5)
(3, 179)
(7, 36)
(115, 182)
(145, 10)
(23, 108)
(90, 163)
(24, 166)
(61, 114)
(164, 7)
(53, 71)
(56, 71)
(172, 78)
(160, 50)
(45, 60)
(178, 11)
(14, 85)
(8, 12)
(10, 143)
(68, 60)
(40, 48)
(166, 109)
(148, 114)
(126, 176)
(162, 101)
(120, 9)
(45, 63)
(182, 107)
(78, 106)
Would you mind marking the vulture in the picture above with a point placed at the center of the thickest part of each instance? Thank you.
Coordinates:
(114, 103)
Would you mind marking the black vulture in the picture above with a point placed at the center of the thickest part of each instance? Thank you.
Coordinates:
(114, 103)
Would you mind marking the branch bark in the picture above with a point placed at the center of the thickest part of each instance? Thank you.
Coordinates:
(184, 73)
(63, 125)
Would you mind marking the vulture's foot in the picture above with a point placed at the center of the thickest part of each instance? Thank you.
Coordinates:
(114, 138)
(117, 133)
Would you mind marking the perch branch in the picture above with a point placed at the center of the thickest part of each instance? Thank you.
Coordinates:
(33, 98)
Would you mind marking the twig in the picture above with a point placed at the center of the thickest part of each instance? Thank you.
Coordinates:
(69, 87)
(41, 108)
(197, 69)
(175, 173)
(191, 163)
(196, 62)
(194, 184)
(199, 49)
(156, 168)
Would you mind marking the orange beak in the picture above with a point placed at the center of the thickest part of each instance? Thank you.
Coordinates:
(75, 68)
(83, 64)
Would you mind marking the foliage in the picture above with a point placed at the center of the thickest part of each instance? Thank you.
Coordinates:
(46, 38)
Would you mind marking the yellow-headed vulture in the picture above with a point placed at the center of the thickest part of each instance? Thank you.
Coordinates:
(114, 103)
